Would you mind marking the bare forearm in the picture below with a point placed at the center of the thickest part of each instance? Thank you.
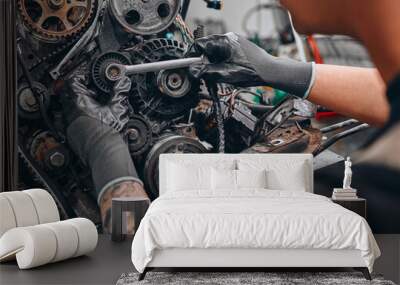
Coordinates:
(355, 92)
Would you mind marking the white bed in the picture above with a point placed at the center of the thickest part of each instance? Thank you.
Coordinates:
(248, 227)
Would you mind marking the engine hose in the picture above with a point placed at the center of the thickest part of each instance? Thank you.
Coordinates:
(213, 90)
(221, 130)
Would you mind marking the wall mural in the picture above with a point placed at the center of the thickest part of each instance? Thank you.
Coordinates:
(76, 124)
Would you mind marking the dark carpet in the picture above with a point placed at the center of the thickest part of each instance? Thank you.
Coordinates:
(243, 278)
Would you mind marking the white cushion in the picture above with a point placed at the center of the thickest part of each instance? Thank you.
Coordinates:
(41, 244)
(7, 218)
(170, 176)
(244, 161)
(23, 208)
(32, 246)
(199, 160)
(26, 208)
(45, 205)
(66, 237)
(223, 179)
(251, 178)
(182, 177)
(87, 235)
(293, 180)
(282, 174)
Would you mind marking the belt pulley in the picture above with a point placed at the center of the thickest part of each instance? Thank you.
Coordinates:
(54, 20)
(167, 144)
(168, 93)
(145, 17)
(138, 135)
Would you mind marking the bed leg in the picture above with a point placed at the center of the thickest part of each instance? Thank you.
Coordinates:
(365, 272)
(142, 275)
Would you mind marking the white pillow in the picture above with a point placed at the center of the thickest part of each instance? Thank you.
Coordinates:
(251, 178)
(293, 180)
(282, 174)
(223, 179)
(183, 178)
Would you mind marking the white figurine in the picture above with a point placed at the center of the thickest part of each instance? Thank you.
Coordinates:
(348, 173)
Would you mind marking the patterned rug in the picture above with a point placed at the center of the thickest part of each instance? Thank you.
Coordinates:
(243, 278)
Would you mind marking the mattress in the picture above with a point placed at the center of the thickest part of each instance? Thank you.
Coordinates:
(250, 219)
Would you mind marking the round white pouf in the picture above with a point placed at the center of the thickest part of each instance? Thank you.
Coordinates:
(41, 244)
(23, 208)
(33, 246)
(87, 234)
(45, 205)
(67, 240)
(7, 218)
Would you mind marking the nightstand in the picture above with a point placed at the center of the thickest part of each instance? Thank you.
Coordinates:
(138, 206)
(357, 205)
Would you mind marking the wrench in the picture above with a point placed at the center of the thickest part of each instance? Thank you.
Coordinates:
(114, 72)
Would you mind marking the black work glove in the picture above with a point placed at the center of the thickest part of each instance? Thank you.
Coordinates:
(237, 61)
(78, 100)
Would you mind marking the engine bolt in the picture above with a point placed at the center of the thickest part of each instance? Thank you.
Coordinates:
(57, 159)
(133, 134)
(30, 100)
(56, 4)
(180, 147)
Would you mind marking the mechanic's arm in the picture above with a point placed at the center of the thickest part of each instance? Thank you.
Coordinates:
(356, 92)
(93, 132)
(359, 93)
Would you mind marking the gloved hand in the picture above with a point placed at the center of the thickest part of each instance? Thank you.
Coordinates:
(78, 100)
(237, 61)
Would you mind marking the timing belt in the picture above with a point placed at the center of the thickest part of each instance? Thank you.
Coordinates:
(46, 182)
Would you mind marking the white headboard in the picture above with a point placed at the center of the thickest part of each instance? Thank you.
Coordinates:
(209, 159)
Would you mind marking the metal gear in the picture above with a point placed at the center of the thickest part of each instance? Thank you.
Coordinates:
(28, 105)
(138, 135)
(49, 153)
(54, 20)
(165, 94)
(143, 17)
(169, 143)
(99, 66)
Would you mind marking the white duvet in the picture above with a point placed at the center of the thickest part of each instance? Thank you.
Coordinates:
(250, 219)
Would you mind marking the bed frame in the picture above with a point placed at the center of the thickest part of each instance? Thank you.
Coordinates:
(246, 259)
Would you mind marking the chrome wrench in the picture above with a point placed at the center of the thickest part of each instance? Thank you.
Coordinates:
(114, 72)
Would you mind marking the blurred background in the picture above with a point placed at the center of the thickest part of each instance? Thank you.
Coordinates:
(269, 26)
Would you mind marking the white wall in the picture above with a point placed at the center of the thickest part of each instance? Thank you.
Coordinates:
(233, 13)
